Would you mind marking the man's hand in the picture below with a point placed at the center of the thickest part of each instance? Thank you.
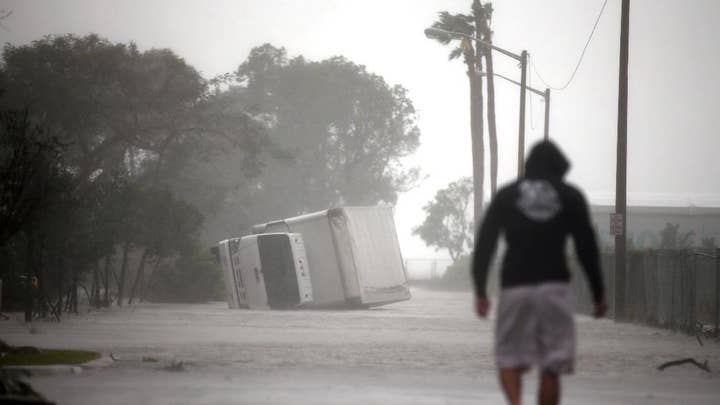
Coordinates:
(600, 308)
(482, 306)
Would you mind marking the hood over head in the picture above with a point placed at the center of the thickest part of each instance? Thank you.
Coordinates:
(546, 161)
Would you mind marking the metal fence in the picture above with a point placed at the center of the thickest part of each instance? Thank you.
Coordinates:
(672, 289)
(426, 269)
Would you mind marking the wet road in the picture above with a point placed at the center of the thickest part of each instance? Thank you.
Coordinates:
(429, 350)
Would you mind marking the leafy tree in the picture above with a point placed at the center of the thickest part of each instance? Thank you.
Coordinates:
(28, 159)
(120, 128)
(71, 83)
(216, 174)
(168, 227)
(117, 107)
(446, 225)
(346, 128)
(194, 277)
(338, 135)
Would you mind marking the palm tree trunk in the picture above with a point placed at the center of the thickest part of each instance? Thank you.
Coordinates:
(478, 126)
(483, 16)
(492, 129)
(478, 146)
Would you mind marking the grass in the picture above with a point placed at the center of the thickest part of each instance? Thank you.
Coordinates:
(48, 357)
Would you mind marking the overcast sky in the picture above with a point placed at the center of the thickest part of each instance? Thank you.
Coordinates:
(674, 101)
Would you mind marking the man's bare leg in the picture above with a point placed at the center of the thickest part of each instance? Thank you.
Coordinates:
(549, 393)
(511, 381)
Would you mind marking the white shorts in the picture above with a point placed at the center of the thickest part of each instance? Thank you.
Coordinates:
(535, 327)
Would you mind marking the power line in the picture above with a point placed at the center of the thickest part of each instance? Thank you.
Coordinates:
(582, 55)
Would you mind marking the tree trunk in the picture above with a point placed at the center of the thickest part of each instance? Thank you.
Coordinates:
(29, 260)
(93, 286)
(42, 292)
(123, 273)
(492, 129)
(60, 272)
(158, 260)
(478, 147)
(95, 294)
(483, 16)
(106, 300)
(474, 65)
(74, 291)
(138, 276)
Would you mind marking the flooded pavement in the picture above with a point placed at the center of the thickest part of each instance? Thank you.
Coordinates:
(429, 350)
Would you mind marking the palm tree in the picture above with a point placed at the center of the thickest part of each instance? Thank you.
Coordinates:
(483, 15)
(472, 56)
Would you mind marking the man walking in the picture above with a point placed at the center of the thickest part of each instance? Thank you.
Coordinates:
(535, 325)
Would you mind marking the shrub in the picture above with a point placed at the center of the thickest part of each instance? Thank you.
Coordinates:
(191, 278)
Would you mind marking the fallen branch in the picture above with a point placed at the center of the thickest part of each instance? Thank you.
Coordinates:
(175, 366)
(703, 366)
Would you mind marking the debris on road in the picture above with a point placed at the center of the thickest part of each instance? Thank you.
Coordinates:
(175, 366)
(704, 366)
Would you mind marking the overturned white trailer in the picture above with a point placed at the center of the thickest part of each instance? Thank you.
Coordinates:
(353, 255)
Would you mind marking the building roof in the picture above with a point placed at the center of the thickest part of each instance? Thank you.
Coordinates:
(662, 210)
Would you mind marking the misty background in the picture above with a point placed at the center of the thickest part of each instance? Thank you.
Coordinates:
(136, 135)
(673, 96)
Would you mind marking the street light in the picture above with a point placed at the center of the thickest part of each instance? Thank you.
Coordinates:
(522, 58)
(544, 94)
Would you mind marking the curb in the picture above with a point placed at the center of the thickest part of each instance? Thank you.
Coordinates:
(101, 362)
(53, 369)
(46, 369)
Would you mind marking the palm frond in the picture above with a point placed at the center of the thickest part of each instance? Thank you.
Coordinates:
(456, 53)
(463, 23)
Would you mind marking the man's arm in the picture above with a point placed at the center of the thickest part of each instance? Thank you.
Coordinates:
(485, 244)
(587, 251)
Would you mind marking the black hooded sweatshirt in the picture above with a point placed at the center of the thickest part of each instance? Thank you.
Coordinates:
(536, 214)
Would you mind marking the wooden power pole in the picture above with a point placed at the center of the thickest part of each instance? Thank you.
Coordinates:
(620, 220)
(521, 124)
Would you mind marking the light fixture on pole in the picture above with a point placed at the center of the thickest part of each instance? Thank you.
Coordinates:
(522, 58)
(544, 94)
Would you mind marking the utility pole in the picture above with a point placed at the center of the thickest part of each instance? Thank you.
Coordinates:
(621, 170)
(544, 94)
(546, 131)
(521, 126)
